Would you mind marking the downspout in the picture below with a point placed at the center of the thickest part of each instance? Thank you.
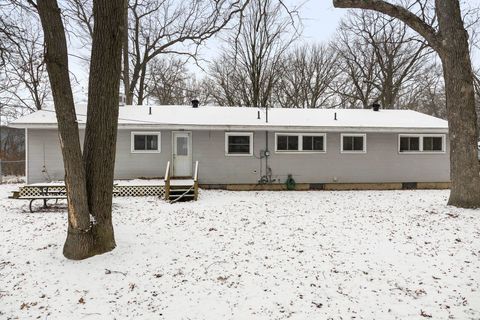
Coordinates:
(267, 154)
(268, 170)
(267, 177)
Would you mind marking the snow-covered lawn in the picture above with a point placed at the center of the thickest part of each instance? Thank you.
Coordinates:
(250, 255)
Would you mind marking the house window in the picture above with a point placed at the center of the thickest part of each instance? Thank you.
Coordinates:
(409, 144)
(299, 142)
(354, 143)
(145, 142)
(238, 143)
(287, 143)
(432, 144)
(414, 143)
(313, 143)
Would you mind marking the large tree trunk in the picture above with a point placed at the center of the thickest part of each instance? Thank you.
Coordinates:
(78, 244)
(102, 116)
(461, 113)
(451, 44)
(89, 181)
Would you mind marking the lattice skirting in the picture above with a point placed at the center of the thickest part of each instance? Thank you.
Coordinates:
(119, 191)
(32, 191)
(139, 191)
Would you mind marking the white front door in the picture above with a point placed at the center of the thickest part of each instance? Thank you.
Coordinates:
(182, 154)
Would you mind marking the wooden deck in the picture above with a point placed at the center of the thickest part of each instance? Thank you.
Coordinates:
(181, 189)
(169, 188)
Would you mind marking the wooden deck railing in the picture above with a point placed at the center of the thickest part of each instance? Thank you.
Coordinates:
(195, 181)
(167, 181)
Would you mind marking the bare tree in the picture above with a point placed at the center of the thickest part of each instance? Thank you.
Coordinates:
(162, 27)
(310, 71)
(399, 54)
(168, 80)
(25, 75)
(391, 53)
(229, 86)
(23, 78)
(8, 29)
(355, 85)
(450, 41)
(178, 27)
(250, 67)
(427, 94)
(88, 178)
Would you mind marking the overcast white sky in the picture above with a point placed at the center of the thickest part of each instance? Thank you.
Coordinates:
(320, 19)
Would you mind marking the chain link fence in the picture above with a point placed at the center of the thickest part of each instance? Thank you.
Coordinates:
(12, 154)
(12, 168)
(12, 171)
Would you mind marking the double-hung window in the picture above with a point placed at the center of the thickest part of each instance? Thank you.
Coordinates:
(419, 143)
(353, 143)
(300, 142)
(239, 143)
(145, 142)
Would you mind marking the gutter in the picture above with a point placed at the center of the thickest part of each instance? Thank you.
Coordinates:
(247, 128)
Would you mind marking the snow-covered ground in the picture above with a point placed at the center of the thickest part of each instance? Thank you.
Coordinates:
(250, 255)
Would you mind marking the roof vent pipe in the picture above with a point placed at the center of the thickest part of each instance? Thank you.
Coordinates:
(150, 110)
(195, 103)
(258, 114)
(376, 106)
(335, 116)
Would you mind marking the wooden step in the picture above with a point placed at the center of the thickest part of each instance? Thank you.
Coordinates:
(175, 196)
(181, 190)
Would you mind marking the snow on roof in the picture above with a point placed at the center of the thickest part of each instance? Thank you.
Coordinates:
(243, 118)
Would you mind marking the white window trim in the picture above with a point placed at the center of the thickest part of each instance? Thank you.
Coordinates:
(145, 133)
(300, 142)
(421, 136)
(241, 134)
(364, 135)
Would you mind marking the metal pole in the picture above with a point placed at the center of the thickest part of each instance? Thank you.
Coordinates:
(267, 153)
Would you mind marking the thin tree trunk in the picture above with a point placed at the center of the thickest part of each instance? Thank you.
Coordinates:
(102, 116)
(126, 62)
(141, 89)
(78, 244)
(133, 82)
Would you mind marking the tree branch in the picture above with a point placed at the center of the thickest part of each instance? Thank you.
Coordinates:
(399, 12)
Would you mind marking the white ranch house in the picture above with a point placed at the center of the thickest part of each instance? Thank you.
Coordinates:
(237, 148)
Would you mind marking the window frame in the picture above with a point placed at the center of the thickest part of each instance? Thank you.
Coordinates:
(241, 134)
(363, 151)
(300, 136)
(145, 133)
(420, 137)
